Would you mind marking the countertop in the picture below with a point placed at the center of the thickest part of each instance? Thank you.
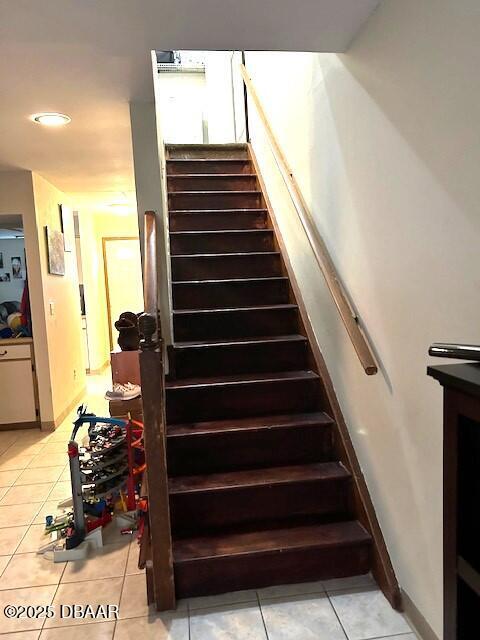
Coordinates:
(464, 376)
(6, 342)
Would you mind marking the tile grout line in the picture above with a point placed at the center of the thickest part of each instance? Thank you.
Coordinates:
(337, 616)
(10, 445)
(382, 637)
(121, 591)
(6, 566)
(189, 626)
(396, 635)
(261, 615)
(26, 532)
(53, 598)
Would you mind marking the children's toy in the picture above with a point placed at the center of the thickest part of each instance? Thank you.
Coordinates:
(111, 460)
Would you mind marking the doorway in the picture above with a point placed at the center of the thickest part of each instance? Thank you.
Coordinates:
(201, 97)
(123, 279)
(19, 405)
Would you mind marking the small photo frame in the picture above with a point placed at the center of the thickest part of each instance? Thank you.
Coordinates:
(17, 268)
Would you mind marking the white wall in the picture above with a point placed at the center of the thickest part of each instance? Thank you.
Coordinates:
(151, 190)
(61, 307)
(182, 103)
(10, 248)
(56, 338)
(384, 142)
(222, 78)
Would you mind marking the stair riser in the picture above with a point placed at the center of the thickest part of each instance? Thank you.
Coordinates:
(250, 571)
(235, 450)
(236, 324)
(210, 166)
(215, 201)
(207, 152)
(198, 512)
(221, 242)
(217, 221)
(238, 358)
(212, 183)
(232, 294)
(212, 268)
(241, 400)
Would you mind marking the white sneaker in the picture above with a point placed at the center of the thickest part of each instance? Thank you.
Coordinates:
(126, 391)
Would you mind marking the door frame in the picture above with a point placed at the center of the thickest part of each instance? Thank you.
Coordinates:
(105, 273)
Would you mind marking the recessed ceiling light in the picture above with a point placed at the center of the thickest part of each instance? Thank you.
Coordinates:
(51, 119)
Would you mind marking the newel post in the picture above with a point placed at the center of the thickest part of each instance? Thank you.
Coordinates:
(161, 581)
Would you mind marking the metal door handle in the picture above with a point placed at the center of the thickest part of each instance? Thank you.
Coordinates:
(4, 353)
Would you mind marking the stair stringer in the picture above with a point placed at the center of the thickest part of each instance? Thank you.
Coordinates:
(363, 508)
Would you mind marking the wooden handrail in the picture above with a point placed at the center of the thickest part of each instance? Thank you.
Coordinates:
(160, 578)
(349, 317)
(150, 284)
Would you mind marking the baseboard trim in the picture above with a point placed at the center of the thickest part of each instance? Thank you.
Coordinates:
(19, 425)
(77, 400)
(96, 372)
(416, 619)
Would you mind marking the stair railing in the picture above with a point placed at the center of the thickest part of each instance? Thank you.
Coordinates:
(320, 251)
(159, 563)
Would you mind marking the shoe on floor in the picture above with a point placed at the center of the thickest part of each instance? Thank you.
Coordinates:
(126, 391)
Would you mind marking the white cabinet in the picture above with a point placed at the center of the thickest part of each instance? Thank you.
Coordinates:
(18, 405)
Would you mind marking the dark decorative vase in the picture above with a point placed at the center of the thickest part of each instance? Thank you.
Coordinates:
(127, 327)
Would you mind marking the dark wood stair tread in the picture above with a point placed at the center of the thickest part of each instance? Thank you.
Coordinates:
(221, 232)
(207, 192)
(222, 342)
(239, 254)
(250, 424)
(251, 478)
(332, 535)
(246, 378)
(212, 175)
(179, 212)
(224, 281)
(173, 160)
(201, 146)
(272, 307)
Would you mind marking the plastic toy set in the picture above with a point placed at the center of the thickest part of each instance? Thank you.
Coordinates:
(105, 471)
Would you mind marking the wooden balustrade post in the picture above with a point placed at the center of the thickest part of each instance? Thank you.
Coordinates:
(160, 578)
(160, 572)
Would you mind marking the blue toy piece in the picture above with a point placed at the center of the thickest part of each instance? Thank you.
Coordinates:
(92, 419)
(73, 454)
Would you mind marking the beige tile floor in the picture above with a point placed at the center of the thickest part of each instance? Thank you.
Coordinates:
(34, 477)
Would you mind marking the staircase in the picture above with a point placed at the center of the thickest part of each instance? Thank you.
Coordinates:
(258, 494)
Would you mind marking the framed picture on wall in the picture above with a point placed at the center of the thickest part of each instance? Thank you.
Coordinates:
(55, 251)
(66, 221)
(17, 267)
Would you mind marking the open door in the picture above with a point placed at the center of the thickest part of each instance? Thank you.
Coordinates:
(123, 279)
